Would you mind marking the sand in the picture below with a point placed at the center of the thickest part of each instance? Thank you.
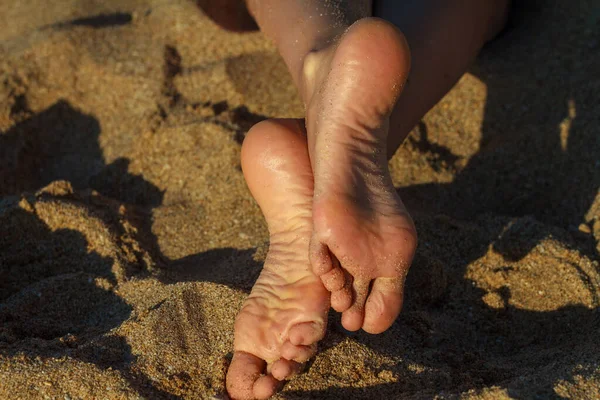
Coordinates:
(128, 239)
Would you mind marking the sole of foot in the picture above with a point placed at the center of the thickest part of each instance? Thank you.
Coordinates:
(285, 315)
(363, 238)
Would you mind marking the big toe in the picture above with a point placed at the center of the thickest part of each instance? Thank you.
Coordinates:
(244, 371)
(383, 305)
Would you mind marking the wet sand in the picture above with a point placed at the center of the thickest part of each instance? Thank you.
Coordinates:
(128, 239)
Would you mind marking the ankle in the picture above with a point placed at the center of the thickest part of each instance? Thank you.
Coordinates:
(296, 45)
(315, 66)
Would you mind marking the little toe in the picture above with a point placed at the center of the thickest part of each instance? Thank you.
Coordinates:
(306, 333)
(265, 387)
(319, 256)
(244, 371)
(333, 280)
(284, 369)
(341, 300)
(383, 305)
(299, 354)
(352, 318)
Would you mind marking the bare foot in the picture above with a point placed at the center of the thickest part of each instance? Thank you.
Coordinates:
(285, 315)
(364, 239)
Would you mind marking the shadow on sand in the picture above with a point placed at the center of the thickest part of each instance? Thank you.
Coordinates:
(56, 296)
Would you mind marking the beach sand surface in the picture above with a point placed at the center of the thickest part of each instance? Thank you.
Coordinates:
(128, 239)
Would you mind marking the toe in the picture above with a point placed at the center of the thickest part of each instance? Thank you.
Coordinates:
(341, 300)
(244, 371)
(319, 256)
(333, 280)
(299, 354)
(285, 369)
(352, 318)
(383, 305)
(265, 387)
(307, 333)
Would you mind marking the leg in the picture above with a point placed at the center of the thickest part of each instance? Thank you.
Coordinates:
(444, 38)
(351, 70)
(230, 14)
(285, 315)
